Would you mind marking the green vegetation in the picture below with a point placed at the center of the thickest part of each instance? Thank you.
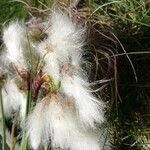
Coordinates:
(119, 40)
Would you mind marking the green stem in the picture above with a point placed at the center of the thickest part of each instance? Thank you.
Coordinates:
(29, 97)
(3, 122)
(24, 143)
(131, 20)
(101, 6)
(45, 147)
(14, 140)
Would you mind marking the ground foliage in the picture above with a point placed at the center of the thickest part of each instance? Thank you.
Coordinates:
(118, 44)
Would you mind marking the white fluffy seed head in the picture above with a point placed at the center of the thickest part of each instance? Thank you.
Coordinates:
(14, 37)
(63, 44)
(48, 121)
(66, 36)
(86, 141)
(36, 126)
(13, 99)
(63, 124)
(52, 67)
(65, 129)
(49, 57)
(89, 108)
(67, 132)
(55, 119)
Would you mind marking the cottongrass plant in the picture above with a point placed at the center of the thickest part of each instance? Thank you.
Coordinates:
(63, 111)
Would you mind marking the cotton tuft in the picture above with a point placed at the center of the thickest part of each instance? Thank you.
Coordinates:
(13, 99)
(67, 114)
(15, 40)
(89, 108)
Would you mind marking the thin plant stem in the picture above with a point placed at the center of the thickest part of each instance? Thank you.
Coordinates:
(101, 6)
(131, 20)
(45, 147)
(29, 97)
(13, 131)
(128, 53)
(24, 143)
(134, 71)
(3, 122)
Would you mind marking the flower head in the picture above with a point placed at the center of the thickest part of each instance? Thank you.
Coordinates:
(15, 40)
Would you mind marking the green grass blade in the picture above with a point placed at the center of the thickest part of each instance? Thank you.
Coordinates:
(24, 143)
(3, 122)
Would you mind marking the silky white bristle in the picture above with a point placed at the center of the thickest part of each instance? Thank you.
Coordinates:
(89, 108)
(63, 45)
(14, 37)
(65, 36)
(86, 141)
(67, 119)
(55, 119)
(51, 66)
(13, 99)
(62, 123)
(46, 122)
(67, 132)
(36, 126)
